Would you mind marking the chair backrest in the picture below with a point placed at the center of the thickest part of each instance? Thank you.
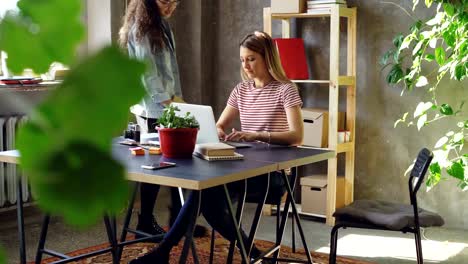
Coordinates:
(418, 172)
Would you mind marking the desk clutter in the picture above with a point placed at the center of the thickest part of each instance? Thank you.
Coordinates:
(140, 151)
(216, 151)
(20, 81)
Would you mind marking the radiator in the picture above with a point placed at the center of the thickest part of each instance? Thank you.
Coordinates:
(9, 173)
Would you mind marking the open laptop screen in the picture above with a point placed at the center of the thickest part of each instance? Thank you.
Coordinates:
(205, 117)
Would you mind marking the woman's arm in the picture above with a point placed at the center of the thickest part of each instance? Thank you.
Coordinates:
(292, 137)
(226, 118)
(296, 128)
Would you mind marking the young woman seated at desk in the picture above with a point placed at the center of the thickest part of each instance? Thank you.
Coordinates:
(269, 107)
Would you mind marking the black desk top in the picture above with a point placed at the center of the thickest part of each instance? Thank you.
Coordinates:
(190, 173)
(197, 174)
(284, 156)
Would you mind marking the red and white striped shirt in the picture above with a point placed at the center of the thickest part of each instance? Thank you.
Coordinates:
(264, 109)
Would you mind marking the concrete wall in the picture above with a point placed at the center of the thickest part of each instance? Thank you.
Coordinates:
(208, 32)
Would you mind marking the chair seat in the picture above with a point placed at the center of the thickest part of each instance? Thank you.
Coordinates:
(386, 215)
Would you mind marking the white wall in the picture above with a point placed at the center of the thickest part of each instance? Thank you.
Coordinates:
(98, 20)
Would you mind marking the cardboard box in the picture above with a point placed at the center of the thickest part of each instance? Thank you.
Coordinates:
(288, 6)
(316, 126)
(314, 194)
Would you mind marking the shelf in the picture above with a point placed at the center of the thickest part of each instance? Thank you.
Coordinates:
(342, 80)
(345, 147)
(335, 82)
(342, 147)
(344, 12)
(311, 81)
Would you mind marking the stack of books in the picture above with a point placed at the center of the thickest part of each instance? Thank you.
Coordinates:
(216, 151)
(321, 6)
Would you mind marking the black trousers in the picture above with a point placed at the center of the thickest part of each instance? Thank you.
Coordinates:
(215, 209)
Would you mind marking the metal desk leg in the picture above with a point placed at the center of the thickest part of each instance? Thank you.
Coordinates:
(191, 227)
(112, 238)
(245, 258)
(257, 216)
(42, 239)
(128, 216)
(182, 202)
(240, 210)
(20, 220)
(290, 200)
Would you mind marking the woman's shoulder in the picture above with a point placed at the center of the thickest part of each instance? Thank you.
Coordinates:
(246, 84)
(283, 85)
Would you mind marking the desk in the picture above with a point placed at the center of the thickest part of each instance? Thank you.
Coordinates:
(197, 174)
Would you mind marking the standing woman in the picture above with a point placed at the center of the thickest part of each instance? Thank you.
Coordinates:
(148, 37)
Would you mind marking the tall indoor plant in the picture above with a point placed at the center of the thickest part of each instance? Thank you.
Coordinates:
(433, 51)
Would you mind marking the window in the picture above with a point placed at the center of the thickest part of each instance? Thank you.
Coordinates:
(5, 5)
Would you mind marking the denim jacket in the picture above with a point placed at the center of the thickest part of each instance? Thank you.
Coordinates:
(161, 79)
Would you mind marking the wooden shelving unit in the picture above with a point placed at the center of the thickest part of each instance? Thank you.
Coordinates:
(335, 81)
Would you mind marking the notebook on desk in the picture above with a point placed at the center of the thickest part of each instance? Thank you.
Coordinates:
(236, 156)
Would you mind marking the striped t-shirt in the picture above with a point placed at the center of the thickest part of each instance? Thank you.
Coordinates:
(264, 109)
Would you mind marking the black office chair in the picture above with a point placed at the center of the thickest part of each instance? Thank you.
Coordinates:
(388, 215)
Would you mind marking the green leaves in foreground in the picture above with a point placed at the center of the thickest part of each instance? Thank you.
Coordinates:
(2, 256)
(66, 146)
(44, 32)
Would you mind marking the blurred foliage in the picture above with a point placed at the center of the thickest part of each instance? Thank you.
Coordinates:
(66, 145)
(432, 51)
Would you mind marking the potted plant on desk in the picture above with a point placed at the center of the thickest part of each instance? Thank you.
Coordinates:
(177, 134)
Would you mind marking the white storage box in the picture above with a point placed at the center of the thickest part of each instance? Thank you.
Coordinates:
(288, 6)
(314, 194)
(316, 126)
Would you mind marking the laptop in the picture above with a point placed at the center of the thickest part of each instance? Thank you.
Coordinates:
(205, 117)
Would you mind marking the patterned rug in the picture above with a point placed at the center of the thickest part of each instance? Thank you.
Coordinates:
(203, 250)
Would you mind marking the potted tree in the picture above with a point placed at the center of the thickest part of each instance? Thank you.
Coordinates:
(177, 134)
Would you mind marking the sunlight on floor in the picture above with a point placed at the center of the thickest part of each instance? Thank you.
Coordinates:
(395, 247)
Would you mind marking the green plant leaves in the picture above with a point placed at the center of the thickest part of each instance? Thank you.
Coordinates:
(460, 72)
(169, 119)
(2, 256)
(449, 9)
(80, 182)
(457, 171)
(422, 108)
(397, 40)
(65, 147)
(446, 109)
(434, 175)
(422, 81)
(421, 121)
(395, 74)
(440, 55)
(39, 37)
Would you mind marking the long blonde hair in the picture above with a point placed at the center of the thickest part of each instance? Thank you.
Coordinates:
(261, 43)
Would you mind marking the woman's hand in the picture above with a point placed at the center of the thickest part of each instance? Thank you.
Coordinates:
(221, 134)
(241, 136)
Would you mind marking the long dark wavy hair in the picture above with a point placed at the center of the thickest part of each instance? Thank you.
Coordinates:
(145, 14)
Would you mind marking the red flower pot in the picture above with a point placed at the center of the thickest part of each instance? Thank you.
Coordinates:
(177, 142)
